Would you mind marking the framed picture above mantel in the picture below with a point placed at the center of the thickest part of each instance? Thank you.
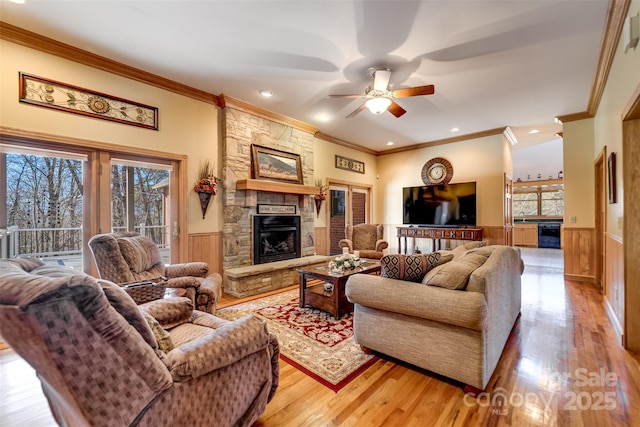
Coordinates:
(275, 165)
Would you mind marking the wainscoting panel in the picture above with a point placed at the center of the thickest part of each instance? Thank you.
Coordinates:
(320, 240)
(614, 279)
(494, 235)
(579, 262)
(206, 247)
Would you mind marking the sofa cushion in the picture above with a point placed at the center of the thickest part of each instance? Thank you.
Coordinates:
(140, 254)
(408, 267)
(170, 312)
(128, 309)
(475, 244)
(455, 274)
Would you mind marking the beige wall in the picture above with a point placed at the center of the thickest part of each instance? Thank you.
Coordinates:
(481, 160)
(578, 157)
(325, 167)
(623, 80)
(186, 126)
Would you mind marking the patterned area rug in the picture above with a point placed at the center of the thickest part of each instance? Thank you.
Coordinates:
(311, 340)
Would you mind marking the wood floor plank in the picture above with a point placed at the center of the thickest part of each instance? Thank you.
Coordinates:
(562, 336)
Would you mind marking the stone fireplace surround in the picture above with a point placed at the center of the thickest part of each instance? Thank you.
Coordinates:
(241, 195)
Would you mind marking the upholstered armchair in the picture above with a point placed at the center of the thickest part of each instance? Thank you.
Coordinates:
(102, 360)
(127, 258)
(365, 238)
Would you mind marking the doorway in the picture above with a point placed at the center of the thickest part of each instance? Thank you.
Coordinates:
(600, 177)
(349, 204)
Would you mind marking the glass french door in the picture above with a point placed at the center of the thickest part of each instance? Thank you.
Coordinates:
(348, 204)
(140, 201)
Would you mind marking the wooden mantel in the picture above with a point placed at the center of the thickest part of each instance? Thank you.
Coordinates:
(276, 187)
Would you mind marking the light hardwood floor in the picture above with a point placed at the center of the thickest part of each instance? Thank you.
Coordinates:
(562, 366)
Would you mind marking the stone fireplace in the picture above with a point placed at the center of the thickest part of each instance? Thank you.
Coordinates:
(275, 238)
(242, 195)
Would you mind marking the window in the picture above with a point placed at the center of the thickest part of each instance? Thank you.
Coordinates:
(54, 196)
(544, 199)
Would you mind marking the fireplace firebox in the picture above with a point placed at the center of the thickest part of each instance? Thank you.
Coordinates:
(275, 238)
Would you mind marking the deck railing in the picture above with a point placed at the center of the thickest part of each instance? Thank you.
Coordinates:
(53, 242)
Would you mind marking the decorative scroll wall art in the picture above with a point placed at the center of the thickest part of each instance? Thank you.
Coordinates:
(349, 164)
(73, 99)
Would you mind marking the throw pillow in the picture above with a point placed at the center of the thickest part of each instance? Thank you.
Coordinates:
(445, 257)
(408, 267)
(141, 254)
(475, 244)
(163, 337)
(455, 274)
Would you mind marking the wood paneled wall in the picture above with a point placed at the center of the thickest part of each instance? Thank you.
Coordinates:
(494, 235)
(206, 247)
(614, 280)
(320, 240)
(579, 254)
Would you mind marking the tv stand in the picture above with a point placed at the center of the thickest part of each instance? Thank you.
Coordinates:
(436, 234)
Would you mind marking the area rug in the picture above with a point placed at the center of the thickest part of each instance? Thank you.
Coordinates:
(310, 340)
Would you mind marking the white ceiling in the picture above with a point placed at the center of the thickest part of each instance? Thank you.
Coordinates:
(516, 63)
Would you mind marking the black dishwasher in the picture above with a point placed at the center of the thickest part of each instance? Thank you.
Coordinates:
(549, 235)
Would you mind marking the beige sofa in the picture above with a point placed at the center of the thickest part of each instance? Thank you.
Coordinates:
(456, 333)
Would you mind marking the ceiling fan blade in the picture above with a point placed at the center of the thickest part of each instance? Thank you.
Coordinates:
(414, 91)
(345, 96)
(396, 110)
(381, 80)
(356, 111)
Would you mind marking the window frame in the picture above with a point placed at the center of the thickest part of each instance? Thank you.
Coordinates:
(97, 185)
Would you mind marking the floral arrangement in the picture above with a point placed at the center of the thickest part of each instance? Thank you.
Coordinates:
(345, 262)
(323, 188)
(208, 183)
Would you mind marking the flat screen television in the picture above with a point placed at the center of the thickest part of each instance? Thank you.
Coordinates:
(452, 205)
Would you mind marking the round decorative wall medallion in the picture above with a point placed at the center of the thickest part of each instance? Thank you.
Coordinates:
(437, 171)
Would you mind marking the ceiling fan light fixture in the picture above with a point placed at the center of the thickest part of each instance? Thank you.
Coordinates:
(378, 105)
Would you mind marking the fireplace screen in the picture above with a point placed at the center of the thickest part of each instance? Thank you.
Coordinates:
(275, 238)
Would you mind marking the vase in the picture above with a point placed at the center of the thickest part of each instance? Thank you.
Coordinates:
(205, 198)
(318, 203)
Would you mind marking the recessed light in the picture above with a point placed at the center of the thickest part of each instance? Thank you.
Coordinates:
(266, 93)
(455, 130)
(532, 131)
(323, 117)
(390, 143)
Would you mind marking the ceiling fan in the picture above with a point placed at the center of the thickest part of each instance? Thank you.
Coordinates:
(380, 98)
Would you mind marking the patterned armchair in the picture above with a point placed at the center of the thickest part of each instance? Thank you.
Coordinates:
(102, 360)
(128, 258)
(365, 238)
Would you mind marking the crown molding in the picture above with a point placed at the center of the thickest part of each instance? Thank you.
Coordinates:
(576, 116)
(616, 15)
(329, 138)
(228, 101)
(44, 44)
(475, 135)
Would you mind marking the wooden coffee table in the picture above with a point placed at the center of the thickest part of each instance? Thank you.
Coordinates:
(332, 301)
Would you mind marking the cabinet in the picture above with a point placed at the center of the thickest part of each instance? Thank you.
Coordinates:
(525, 235)
(436, 234)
